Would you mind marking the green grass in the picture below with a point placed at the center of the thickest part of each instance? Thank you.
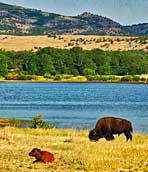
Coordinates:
(73, 151)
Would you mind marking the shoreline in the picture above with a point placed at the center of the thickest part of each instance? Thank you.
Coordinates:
(24, 124)
(20, 124)
(76, 81)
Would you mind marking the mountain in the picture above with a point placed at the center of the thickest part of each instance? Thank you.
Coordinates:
(24, 21)
(138, 29)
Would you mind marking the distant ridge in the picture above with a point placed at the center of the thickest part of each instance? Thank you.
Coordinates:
(17, 20)
(139, 29)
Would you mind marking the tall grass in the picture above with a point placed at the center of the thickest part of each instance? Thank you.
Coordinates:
(73, 151)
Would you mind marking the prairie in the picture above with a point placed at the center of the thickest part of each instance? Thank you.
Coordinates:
(21, 43)
(73, 151)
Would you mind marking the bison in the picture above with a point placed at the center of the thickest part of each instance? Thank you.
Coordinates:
(107, 126)
(41, 156)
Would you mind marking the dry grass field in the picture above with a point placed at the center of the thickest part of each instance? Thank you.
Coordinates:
(19, 43)
(73, 151)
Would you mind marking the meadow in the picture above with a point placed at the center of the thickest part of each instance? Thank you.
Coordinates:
(73, 151)
(87, 42)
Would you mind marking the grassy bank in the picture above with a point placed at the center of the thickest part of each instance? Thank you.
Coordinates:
(73, 151)
(14, 122)
(70, 78)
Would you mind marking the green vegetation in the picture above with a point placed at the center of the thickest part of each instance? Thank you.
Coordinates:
(62, 64)
(4, 122)
(37, 122)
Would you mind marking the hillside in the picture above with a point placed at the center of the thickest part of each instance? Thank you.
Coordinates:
(87, 42)
(139, 29)
(23, 21)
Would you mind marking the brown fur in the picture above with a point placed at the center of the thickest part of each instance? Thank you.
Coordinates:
(107, 126)
(41, 156)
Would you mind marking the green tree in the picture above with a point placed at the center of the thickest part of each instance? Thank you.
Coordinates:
(88, 71)
(3, 66)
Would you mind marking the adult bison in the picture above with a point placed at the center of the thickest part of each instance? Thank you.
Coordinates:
(107, 126)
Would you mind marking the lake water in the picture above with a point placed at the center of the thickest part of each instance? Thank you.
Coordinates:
(75, 105)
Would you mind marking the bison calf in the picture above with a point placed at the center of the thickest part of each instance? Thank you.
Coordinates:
(107, 126)
(42, 156)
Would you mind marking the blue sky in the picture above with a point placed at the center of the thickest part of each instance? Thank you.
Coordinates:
(123, 11)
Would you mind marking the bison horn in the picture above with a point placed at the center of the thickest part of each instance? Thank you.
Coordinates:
(95, 132)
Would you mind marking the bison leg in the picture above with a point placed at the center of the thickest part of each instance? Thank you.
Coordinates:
(128, 135)
(109, 137)
(36, 161)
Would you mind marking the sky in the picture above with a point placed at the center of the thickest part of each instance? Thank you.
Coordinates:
(125, 12)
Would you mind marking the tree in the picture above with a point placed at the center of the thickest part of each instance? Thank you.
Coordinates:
(78, 58)
(88, 71)
(3, 66)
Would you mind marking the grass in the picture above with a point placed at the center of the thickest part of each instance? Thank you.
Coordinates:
(20, 43)
(14, 122)
(73, 151)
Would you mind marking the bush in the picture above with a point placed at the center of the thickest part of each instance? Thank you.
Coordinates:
(143, 79)
(35, 77)
(136, 78)
(48, 76)
(104, 78)
(91, 78)
(23, 77)
(67, 76)
(127, 78)
(58, 77)
(88, 71)
(37, 122)
(12, 76)
(97, 78)
(113, 78)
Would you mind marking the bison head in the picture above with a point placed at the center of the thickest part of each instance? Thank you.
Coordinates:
(94, 136)
(34, 152)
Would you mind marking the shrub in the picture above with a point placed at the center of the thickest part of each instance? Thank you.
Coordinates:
(11, 76)
(48, 76)
(91, 78)
(113, 78)
(35, 77)
(104, 78)
(143, 79)
(88, 71)
(67, 76)
(127, 78)
(94, 78)
(58, 77)
(27, 77)
(136, 78)
(37, 122)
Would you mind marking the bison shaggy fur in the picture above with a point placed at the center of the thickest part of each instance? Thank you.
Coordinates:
(108, 126)
(41, 156)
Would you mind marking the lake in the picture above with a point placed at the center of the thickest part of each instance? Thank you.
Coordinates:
(75, 105)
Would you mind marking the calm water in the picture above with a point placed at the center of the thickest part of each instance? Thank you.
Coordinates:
(76, 105)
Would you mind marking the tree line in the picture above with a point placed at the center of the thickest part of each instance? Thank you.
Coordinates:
(75, 61)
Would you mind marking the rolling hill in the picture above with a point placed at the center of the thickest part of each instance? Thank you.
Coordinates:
(17, 20)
